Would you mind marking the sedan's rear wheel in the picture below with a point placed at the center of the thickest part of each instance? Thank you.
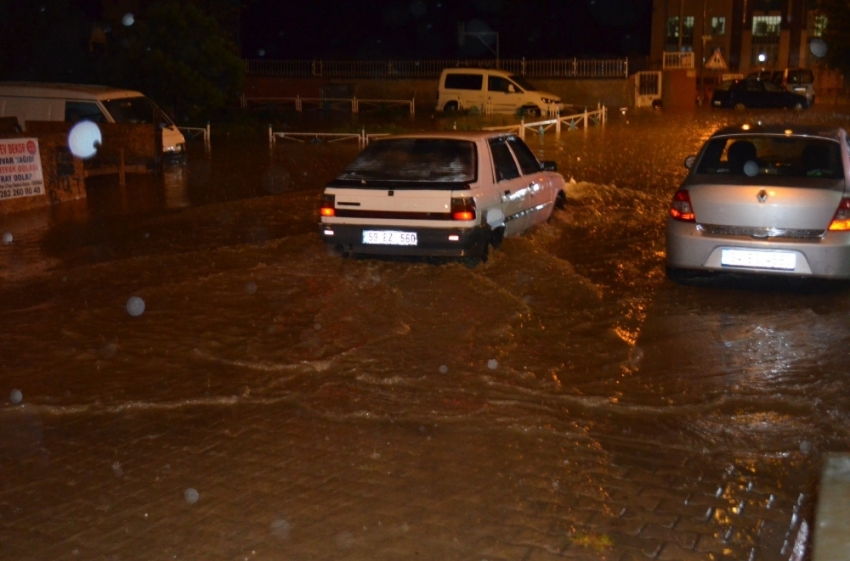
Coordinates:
(740, 105)
(798, 106)
(451, 107)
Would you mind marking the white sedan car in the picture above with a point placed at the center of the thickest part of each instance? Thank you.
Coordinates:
(451, 194)
(767, 199)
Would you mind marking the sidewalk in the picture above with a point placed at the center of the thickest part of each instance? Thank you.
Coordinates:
(277, 481)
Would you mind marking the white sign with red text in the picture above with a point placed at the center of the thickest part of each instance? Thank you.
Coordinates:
(20, 168)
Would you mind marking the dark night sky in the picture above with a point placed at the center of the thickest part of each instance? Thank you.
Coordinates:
(426, 29)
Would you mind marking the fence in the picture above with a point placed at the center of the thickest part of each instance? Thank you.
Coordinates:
(361, 137)
(598, 117)
(678, 60)
(345, 103)
(557, 68)
(572, 122)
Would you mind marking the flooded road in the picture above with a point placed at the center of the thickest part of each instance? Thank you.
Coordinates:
(563, 400)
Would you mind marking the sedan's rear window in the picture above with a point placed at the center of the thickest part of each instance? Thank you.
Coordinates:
(781, 155)
(414, 159)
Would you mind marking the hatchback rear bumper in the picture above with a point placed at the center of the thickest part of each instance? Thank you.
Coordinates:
(431, 242)
(689, 248)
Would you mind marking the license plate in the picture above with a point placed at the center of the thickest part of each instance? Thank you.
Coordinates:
(389, 237)
(758, 259)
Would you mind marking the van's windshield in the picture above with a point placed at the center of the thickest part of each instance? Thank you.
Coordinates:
(523, 83)
(135, 110)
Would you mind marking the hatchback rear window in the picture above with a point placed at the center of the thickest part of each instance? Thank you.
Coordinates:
(414, 159)
(780, 155)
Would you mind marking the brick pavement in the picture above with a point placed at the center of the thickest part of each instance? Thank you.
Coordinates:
(280, 481)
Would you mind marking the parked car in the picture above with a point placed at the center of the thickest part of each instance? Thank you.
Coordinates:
(741, 94)
(795, 80)
(31, 101)
(452, 194)
(768, 199)
(492, 91)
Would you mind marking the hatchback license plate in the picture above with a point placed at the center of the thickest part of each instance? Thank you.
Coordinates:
(758, 259)
(389, 237)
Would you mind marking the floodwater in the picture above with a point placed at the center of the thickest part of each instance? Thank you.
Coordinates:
(259, 399)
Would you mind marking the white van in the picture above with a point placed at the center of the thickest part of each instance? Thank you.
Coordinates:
(30, 101)
(492, 91)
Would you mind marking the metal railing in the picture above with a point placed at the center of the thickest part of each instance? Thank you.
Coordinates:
(681, 60)
(337, 103)
(556, 68)
(597, 117)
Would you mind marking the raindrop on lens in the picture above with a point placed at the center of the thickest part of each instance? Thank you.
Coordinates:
(250, 287)
(16, 396)
(128, 19)
(191, 495)
(135, 306)
(7, 238)
(492, 364)
(805, 447)
(443, 369)
(280, 528)
(751, 168)
(818, 47)
(84, 139)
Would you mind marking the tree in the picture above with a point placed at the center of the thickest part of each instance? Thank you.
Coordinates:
(836, 35)
(177, 55)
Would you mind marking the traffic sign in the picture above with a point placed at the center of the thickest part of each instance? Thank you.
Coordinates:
(716, 62)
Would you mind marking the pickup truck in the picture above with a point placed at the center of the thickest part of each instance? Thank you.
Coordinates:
(450, 194)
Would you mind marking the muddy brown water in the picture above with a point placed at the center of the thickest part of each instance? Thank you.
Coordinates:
(557, 401)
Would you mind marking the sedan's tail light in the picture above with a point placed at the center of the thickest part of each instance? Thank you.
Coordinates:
(463, 208)
(328, 204)
(681, 208)
(841, 220)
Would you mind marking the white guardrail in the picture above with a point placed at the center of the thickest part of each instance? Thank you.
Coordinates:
(554, 68)
(195, 132)
(599, 116)
(361, 137)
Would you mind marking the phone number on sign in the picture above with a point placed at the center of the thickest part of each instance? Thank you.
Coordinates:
(13, 192)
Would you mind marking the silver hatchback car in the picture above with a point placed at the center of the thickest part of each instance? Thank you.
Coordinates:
(764, 199)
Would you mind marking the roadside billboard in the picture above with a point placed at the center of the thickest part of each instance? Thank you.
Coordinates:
(20, 168)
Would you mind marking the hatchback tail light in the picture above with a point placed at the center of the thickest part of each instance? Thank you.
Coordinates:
(463, 208)
(328, 204)
(681, 208)
(841, 220)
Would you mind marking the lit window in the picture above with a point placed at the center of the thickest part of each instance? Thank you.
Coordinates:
(766, 26)
(819, 26)
(687, 30)
(718, 26)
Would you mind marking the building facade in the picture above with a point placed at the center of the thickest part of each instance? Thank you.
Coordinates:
(748, 34)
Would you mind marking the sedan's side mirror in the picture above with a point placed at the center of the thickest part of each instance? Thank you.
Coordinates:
(549, 165)
(689, 161)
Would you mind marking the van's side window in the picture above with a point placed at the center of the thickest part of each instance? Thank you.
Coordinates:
(499, 84)
(503, 161)
(464, 81)
(83, 111)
